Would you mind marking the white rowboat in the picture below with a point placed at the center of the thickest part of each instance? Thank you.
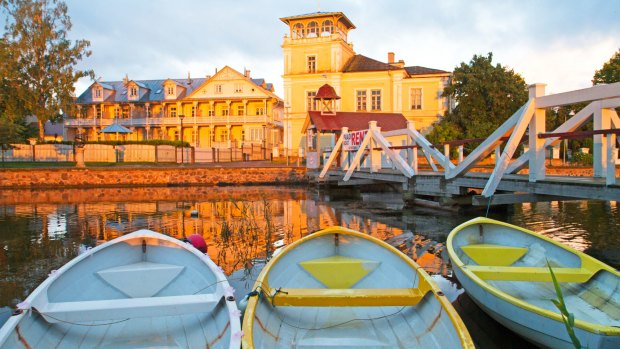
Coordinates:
(140, 290)
(504, 270)
(338, 288)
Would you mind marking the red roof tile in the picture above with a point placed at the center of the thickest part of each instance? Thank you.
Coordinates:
(355, 121)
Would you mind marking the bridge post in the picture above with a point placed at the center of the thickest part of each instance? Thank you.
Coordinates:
(345, 153)
(602, 121)
(412, 153)
(375, 155)
(537, 145)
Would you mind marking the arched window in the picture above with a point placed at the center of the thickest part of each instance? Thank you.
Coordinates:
(298, 31)
(327, 28)
(313, 29)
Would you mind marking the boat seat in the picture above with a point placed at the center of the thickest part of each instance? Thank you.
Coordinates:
(490, 254)
(349, 297)
(533, 274)
(118, 309)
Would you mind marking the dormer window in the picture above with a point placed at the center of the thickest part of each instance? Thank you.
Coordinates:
(97, 93)
(133, 92)
(170, 91)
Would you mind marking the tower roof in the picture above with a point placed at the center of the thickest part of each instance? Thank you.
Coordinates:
(339, 16)
(326, 92)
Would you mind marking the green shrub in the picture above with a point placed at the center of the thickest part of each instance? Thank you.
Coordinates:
(583, 159)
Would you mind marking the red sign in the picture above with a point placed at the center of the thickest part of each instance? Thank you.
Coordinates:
(352, 140)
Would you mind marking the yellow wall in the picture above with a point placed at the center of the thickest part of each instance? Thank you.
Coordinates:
(332, 54)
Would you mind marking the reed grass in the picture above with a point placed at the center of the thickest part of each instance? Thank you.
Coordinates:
(567, 317)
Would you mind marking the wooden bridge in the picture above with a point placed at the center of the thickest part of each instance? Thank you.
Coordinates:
(392, 157)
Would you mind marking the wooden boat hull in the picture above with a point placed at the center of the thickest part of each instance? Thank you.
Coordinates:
(143, 289)
(341, 288)
(503, 269)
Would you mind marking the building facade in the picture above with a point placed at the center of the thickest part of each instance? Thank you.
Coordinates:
(225, 110)
(316, 51)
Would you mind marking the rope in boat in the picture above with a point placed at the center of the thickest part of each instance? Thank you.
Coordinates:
(489, 206)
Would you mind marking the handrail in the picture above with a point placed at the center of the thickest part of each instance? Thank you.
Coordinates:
(579, 134)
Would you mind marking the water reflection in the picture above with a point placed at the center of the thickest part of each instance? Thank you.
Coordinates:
(42, 230)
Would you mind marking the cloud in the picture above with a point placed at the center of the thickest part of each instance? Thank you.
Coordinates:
(560, 43)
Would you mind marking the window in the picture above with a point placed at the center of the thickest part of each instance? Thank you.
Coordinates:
(313, 30)
(311, 64)
(224, 135)
(170, 90)
(311, 103)
(256, 134)
(211, 112)
(360, 100)
(193, 111)
(97, 93)
(98, 111)
(117, 112)
(327, 28)
(173, 112)
(218, 89)
(416, 98)
(298, 31)
(260, 111)
(238, 88)
(133, 91)
(225, 112)
(375, 100)
(240, 110)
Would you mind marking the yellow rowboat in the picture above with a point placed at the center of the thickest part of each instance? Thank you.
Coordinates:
(504, 270)
(344, 289)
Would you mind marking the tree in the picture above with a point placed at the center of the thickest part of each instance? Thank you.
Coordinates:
(610, 72)
(42, 59)
(485, 97)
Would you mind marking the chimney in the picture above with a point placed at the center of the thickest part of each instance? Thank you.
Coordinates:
(125, 80)
(247, 73)
(390, 57)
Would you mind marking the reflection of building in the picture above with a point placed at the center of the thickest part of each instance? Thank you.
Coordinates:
(317, 52)
(223, 110)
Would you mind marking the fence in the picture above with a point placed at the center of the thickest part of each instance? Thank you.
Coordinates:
(135, 153)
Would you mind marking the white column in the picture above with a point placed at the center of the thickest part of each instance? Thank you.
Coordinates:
(375, 155)
(537, 145)
(602, 121)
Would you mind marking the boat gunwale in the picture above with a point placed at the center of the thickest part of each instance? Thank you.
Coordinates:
(594, 264)
(10, 325)
(425, 284)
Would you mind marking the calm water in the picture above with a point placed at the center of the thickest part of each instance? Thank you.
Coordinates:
(42, 230)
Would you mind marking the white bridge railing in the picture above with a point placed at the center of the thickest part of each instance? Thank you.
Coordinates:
(400, 148)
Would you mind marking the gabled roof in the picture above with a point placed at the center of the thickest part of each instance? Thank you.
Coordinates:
(341, 17)
(155, 93)
(141, 85)
(417, 70)
(104, 85)
(361, 63)
(326, 122)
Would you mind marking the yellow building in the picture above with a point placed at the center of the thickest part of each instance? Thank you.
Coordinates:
(225, 110)
(317, 52)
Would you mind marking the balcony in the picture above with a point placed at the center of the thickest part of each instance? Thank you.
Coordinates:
(157, 121)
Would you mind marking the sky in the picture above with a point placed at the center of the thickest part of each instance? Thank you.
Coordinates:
(557, 42)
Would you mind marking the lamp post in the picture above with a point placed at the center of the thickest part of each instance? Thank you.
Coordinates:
(181, 116)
